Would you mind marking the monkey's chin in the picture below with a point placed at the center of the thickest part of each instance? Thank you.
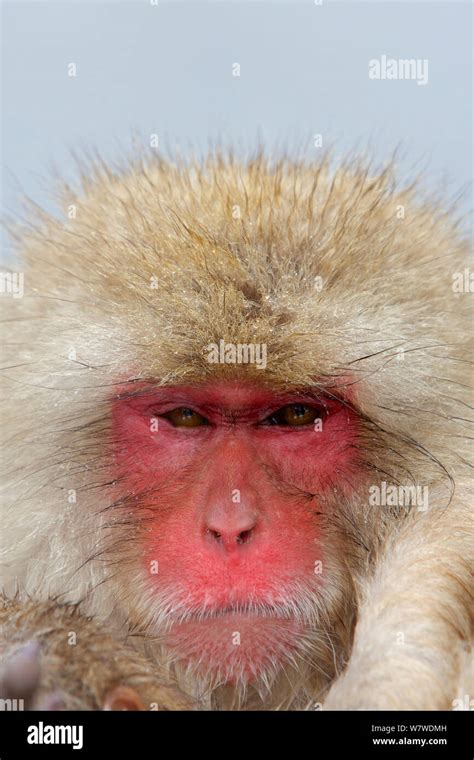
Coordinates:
(234, 647)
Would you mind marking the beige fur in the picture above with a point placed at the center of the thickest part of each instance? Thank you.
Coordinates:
(162, 259)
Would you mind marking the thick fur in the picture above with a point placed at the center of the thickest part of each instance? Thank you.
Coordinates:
(159, 260)
(81, 665)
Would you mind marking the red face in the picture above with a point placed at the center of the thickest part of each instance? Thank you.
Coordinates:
(232, 478)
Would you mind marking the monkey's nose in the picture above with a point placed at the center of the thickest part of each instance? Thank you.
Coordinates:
(240, 538)
(231, 535)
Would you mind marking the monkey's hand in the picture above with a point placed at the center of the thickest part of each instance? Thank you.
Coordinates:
(413, 642)
(54, 658)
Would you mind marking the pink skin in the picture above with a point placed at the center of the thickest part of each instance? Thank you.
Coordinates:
(234, 521)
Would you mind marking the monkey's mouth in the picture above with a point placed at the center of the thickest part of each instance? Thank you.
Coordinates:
(244, 611)
(236, 642)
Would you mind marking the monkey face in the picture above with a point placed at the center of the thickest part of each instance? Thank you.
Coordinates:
(230, 482)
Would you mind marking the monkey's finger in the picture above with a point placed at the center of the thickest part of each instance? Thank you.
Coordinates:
(123, 698)
(53, 702)
(21, 674)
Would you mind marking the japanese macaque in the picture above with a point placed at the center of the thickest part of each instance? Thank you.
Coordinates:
(235, 409)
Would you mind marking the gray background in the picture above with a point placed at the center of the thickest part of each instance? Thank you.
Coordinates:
(168, 70)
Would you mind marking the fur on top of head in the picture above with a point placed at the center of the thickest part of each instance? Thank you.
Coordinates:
(335, 271)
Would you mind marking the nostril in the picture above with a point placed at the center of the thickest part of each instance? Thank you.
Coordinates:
(240, 538)
(244, 536)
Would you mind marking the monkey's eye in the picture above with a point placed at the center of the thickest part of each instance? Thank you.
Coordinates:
(294, 415)
(185, 417)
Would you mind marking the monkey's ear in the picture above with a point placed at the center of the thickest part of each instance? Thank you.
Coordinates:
(123, 698)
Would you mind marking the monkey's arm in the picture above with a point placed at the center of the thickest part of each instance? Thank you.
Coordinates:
(70, 663)
(413, 641)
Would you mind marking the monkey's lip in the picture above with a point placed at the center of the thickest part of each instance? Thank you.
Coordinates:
(233, 644)
(241, 611)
